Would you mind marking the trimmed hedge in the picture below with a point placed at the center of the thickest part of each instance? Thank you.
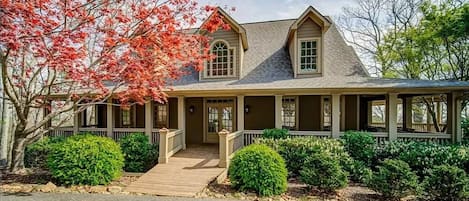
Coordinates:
(258, 168)
(394, 179)
(35, 155)
(324, 172)
(86, 159)
(275, 133)
(447, 183)
(360, 146)
(139, 154)
(295, 150)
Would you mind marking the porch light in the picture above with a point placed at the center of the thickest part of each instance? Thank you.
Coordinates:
(246, 109)
(191, 109)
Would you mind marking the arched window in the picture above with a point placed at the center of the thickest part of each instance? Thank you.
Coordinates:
(223, 64)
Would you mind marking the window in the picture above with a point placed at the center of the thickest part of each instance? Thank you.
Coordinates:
(126, 116)
(161, 115)
(309, 56)
(326, 107)
(289, 113)
(223, 64)
(88, 116)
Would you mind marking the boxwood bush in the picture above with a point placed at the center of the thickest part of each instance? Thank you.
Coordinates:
(323, 171)
(295, 150)
(275, 133)
(35, 155)
(358, 171)
(258, 168)
(394, 179)
(86, 159)
(139, 154)
(360, 146)
(447, 183)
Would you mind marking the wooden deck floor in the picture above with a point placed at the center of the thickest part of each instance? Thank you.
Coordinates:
(187, 173)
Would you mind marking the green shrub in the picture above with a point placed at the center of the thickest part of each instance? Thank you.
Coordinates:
(35, 155)
(465, 127)
(139, 154)
(275, 133)
(86, 159)
(324, 172)
(295, 150)
(358, 171)
(259, 168)
(447, 183)
(394, 179)
(360, 146)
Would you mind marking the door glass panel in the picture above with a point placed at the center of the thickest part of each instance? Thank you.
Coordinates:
(212, 120)
(227, 119)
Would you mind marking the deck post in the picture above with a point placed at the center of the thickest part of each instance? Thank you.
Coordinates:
(335, 131)
(149, 120)
(391, 116)
(223, 148)
(76, 120)
(163, 146)
(109, 118)
(240, 113)
(182, 120)
(407, 113)
(278, 111)
(454, 116)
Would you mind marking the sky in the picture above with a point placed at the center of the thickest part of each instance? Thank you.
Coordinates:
(264, 10)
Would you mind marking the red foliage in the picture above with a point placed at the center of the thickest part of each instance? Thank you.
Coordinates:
(140, 45)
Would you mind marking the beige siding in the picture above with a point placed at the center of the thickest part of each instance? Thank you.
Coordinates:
(309, 29)
(233, 39)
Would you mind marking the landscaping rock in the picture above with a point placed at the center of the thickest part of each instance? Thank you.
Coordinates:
(114, 189)
(98, 189)
(27, 188)
(49, 187)
(11, 188)
(62, 189)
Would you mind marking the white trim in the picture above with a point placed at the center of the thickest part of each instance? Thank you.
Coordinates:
(318, 41)
(206, 63)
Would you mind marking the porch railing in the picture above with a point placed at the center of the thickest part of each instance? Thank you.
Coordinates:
(96, 131)
(61, 132)
(251, 135)
(171, 141)
(117, 133)
(229, 143)
(421, 127)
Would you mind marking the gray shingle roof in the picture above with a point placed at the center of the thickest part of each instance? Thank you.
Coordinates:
(267, 65)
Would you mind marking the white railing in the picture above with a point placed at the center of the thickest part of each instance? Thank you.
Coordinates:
(155, 136)
(439, 138)
(61, 132)
(171, 141)
(251, 135)
(119, 133)
(229, 143)
(421, 127)
(95, 131)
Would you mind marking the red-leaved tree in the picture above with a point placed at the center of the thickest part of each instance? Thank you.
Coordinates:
(85, 51)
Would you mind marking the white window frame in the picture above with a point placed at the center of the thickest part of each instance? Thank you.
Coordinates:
(318, 55)
(296, 101)
(209, 63)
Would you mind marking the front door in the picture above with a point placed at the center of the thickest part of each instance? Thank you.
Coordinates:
(220, 114)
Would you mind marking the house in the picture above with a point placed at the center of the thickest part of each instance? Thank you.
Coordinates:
(297, 74)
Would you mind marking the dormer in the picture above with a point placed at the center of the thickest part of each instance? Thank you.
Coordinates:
(228, 46)
(306, 43)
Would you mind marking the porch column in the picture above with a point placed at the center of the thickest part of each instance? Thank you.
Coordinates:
(407, 113)
(454, 116)
(240, 113)
(182, 119)
(76, 120)
(149, 120)
(278, 111)
(109, 118)
(391, 116)
(370, 113)
(335, 116)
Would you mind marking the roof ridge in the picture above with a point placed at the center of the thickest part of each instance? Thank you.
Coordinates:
(267, 21)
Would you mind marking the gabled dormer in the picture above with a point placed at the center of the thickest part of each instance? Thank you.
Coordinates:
(306, 43)
(228, 46)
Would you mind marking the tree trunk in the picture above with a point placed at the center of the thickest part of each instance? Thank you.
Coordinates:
(18, 150)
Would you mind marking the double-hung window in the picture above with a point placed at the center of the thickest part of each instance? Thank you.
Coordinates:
(289, 113)
(309, 55)
(223, 63)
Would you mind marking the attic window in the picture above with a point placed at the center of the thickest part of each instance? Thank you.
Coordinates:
(223, 64)
(309, 55)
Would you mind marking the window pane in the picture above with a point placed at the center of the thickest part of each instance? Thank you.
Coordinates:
(308, 60)
(223, 64)
(289, 113)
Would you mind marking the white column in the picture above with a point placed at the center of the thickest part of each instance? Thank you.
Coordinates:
(391, 116)
(149, 119)
(455, 123)
(163, 146)
(335, 131)
(76, 120)
(278, 111)
(182, 119)
(223, 149)
(370, 113)
(109, 118)
(240, 113)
